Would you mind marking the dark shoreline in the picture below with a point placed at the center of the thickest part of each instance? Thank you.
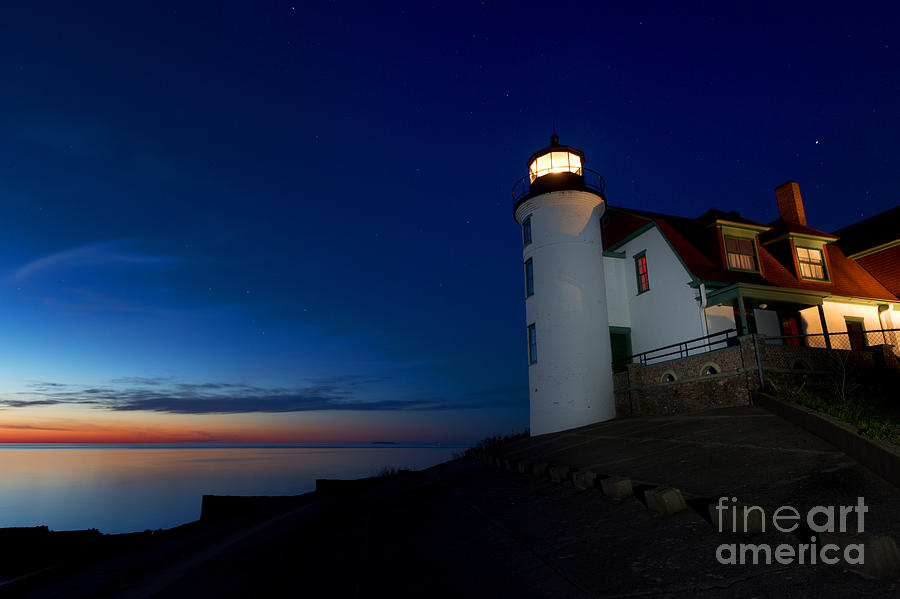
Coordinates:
(42, 554)
(466, 528)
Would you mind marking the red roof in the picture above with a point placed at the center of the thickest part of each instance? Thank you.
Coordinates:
(780, 227)
(697, 245)
(885, 266)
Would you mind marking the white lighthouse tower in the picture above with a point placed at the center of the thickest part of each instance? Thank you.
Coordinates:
(559, 204)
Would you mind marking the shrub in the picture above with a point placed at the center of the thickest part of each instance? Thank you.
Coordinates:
(496, 440)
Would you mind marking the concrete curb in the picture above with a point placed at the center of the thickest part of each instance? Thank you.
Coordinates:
(559, 473)
(877, 457)
(616, 487)
(665, 500)
(584, 479)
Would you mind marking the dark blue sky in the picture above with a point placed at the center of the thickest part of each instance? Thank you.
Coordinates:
(307, 205)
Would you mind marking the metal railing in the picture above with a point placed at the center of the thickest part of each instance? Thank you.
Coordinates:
(846, 340)
(691, 347)
(524, 187)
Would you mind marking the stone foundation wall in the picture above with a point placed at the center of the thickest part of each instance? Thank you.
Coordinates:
(650, 390)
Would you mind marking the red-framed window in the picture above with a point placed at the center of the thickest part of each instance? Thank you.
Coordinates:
(640, 269)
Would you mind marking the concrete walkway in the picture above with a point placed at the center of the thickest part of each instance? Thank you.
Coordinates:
(744, 452)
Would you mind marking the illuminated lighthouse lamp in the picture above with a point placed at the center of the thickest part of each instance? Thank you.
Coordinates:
(555, 159)
(555, 168)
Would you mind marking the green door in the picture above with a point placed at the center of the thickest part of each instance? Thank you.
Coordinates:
(620, 341)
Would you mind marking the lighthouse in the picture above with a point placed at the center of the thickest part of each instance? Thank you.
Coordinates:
(559, 205)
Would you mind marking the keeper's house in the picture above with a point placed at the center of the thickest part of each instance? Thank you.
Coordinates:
(661, 299)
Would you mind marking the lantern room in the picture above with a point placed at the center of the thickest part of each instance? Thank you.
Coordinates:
(555, 159)
(556, 168)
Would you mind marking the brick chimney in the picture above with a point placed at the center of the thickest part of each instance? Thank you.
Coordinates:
(790, 205)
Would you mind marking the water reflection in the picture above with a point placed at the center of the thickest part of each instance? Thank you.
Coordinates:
(127, 489)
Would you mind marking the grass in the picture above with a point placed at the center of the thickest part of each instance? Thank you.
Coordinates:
(872, 407)
(389, 472)
(496, 440)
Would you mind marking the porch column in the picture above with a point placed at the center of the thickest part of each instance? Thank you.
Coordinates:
(824, 326)
(745, 330)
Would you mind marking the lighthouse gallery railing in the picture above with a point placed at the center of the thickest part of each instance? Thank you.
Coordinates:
(524, 186)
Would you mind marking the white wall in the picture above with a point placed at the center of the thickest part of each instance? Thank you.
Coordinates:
(571, 383)
(720, 318)
(767, 322)
(891, 320)
(834, 317)
(669, 312)
(617, 304)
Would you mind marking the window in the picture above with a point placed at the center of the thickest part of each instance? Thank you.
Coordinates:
(529, 278)
(740, 254)
(812, 266)
(532, 345)
(554, 162)
(640, 268)
(526, 231)
(709, 370)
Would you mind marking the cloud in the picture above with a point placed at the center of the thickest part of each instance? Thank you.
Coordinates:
(45, 385)
(30, 427)
(139, 380)
(100, 253)
(29, 403)
(334, 393)
(85, 300)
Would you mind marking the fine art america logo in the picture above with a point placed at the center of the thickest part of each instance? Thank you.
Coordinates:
(819, 519)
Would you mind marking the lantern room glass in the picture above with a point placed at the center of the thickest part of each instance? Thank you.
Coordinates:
(554, 162)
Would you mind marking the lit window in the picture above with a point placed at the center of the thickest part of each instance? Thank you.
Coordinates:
(532, 345)
(740, 254)
(526, 231)
(640, 268)
(529, 278)
(812, 266)
(554, 162)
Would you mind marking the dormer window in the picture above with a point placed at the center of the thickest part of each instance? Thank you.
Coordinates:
(812, 264)
(740, 254)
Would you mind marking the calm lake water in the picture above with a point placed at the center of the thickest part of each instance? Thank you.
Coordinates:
(128, 488)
